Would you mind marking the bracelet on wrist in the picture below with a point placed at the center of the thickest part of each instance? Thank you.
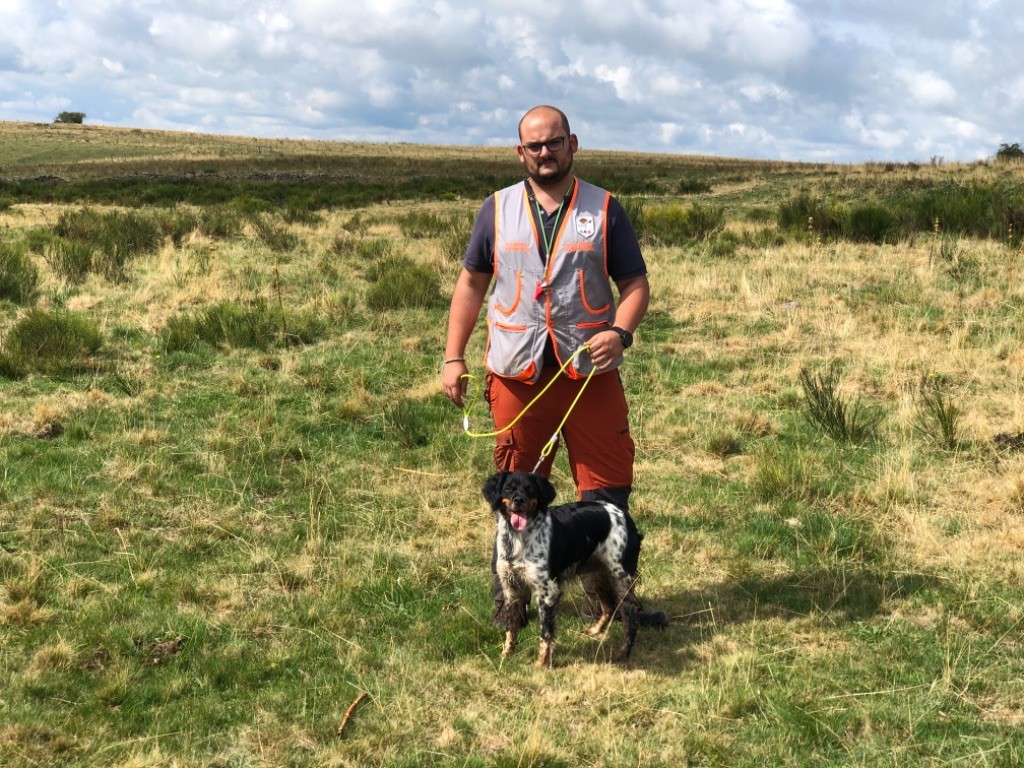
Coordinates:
(452, 360)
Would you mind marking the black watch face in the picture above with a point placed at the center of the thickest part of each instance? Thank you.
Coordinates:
(627, 339)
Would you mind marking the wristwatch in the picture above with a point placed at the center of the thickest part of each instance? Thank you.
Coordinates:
(626, 336)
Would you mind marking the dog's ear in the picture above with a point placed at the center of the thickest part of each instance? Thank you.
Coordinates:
(492, 488)
(545, 491)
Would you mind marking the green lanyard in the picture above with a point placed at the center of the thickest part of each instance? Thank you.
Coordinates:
(549, 242)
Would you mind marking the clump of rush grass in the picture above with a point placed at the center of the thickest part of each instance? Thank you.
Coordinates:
(937, 417)
(676, 225)
(19, 278)
(101, 242)
(273, 234)
(843, 419)
(398, 282)
(783, 475)
(51, 342)
(258, 325)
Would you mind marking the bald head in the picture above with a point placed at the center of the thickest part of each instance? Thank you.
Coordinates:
(545, 111)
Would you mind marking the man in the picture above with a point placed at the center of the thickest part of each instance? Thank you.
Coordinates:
(553, 244)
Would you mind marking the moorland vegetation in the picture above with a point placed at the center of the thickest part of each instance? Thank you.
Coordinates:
(240, 526)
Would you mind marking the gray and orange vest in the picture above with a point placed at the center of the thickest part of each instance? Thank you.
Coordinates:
(568, 300)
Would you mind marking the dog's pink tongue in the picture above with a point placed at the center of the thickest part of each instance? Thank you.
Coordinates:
(518, 521)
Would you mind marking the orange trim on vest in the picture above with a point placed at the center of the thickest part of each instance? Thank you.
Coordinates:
(604, 229)
(497, 238)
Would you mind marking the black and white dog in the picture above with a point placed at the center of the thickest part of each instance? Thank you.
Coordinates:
(539, 546)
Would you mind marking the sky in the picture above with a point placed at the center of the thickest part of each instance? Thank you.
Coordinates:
(802, 80)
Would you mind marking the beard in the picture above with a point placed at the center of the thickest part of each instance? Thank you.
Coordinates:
(554, 172)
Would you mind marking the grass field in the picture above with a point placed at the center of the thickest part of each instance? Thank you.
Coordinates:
(237, 516)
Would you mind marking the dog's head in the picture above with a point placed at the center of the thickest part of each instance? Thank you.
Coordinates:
(518, 497)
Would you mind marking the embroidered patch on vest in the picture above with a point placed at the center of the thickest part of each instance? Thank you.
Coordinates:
(581, 246)
(517, 246)
(585, 225)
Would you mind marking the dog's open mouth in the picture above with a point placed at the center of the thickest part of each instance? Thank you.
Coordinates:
(517, 513)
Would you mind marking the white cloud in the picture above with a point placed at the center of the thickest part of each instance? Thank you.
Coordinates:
(927, 88)
(773, 78)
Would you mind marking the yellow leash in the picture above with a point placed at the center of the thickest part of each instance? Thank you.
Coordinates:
(549, 446)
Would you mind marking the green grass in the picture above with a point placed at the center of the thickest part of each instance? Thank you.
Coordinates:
(233, 500)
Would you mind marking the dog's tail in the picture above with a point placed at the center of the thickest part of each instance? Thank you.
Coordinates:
(649, 618)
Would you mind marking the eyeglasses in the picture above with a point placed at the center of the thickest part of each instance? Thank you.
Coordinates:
(553, 145)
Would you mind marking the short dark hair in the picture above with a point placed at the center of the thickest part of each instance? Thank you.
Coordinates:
(561, 115)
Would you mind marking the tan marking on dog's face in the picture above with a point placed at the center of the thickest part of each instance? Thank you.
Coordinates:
(525, 509)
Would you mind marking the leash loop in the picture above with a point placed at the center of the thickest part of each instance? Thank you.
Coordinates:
(549, 446)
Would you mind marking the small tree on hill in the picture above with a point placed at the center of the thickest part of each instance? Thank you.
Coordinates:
(70, 117)
(1010, 152)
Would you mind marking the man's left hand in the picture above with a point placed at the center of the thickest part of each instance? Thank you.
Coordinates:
(605, 348)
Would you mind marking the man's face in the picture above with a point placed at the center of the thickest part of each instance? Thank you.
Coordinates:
(546, 168)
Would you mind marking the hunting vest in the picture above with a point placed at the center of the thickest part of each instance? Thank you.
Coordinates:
(568, 300)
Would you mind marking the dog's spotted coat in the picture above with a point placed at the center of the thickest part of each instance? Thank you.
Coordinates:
(538, 547)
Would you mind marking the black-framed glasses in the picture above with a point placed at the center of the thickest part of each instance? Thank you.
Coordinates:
(553, 145)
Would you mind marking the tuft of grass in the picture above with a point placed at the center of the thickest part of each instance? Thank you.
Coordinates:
(937, 416)
(783, 475)
(273, 234)
(101, 242)
(19, 278)
(841, 419)
(676, 225)
(258, 325)
(401, 283)
(51, 342)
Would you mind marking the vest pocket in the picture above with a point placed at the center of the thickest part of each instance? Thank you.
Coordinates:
(516, 298)
(581, 273)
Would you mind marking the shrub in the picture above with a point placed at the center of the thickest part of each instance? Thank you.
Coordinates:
(52, 342)
(401, 283)
(966, 209)
(842, 420)
(76, 118)
(1010, 152)
(693, 185)
(19, 278)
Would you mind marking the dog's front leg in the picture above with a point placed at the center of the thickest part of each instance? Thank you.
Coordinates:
(515, 619)
(547, 602)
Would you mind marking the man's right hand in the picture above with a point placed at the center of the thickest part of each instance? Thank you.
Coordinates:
(453, 383)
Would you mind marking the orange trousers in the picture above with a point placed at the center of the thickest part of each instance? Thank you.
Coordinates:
(596, 435)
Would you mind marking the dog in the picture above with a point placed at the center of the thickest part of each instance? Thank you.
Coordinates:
(539, 547)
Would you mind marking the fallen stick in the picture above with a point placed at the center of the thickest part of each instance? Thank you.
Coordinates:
(349, 712)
